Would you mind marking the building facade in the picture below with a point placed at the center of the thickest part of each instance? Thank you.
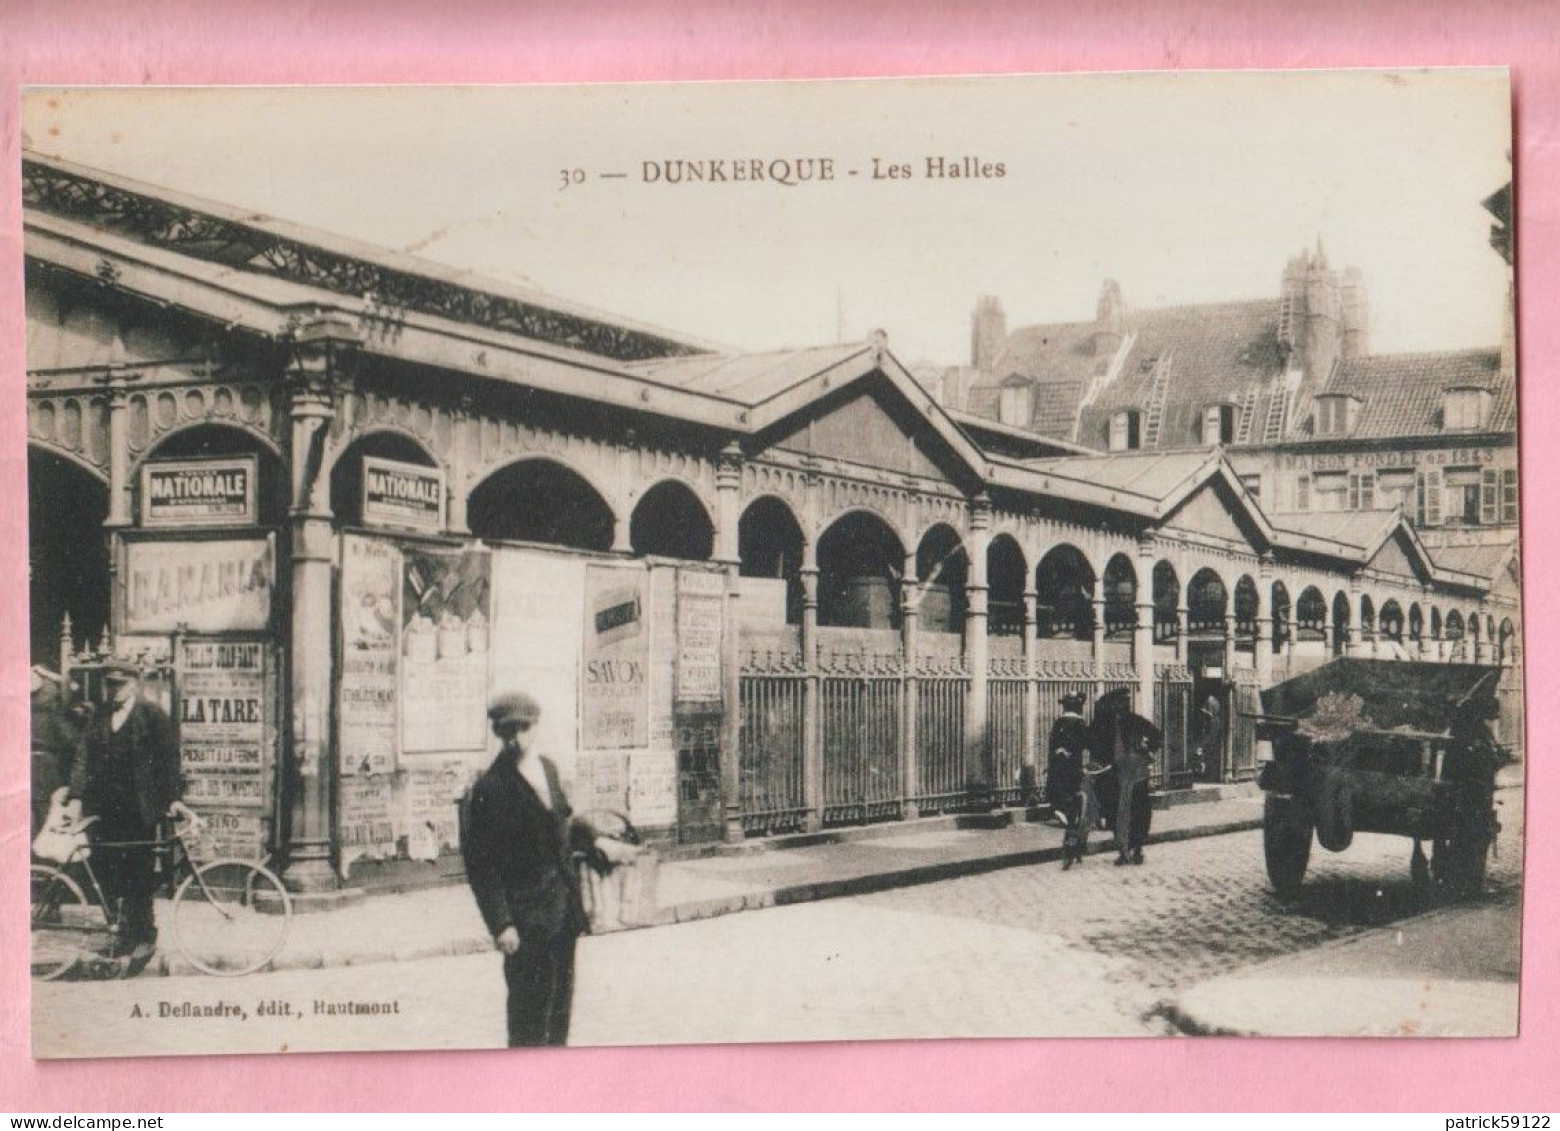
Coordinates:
(333, 497)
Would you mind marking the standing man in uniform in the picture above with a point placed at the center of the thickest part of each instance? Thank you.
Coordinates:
(520, 841)
(1066, 775)
(128, 776)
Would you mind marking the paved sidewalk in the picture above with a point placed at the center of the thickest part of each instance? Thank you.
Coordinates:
(443, 921)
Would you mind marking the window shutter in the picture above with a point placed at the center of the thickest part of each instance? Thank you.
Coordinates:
(1433, 493)
(1367, 490)
(1302, 492)
(1489, 497)
(1508, 495)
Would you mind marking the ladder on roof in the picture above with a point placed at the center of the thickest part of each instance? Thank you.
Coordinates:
(1246, 411)
(1273, 429)
(1158, 393)
(1286, 319)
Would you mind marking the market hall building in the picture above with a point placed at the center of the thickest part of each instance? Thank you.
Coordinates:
(333, 497)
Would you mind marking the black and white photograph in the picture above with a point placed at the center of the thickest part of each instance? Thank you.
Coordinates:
(729, 562)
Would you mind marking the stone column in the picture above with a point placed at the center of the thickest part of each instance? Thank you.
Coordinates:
(1183, 615)
(623, 510)
(910, 625)
(812, 693)
(1354, 639)
(728, 483)
(1032, 738)
(312, 762)
(977, 650)
(1097, 603)
(1143, 634)
(1267, 625)
(118, 447)
(456, 491)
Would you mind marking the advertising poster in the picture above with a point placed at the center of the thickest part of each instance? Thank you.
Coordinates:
(538, 608)
(366, 821)
(402, 494)
(229, 833)
(445, 629)
(614, 681)
(207, 492)
(213, 586)
(223, 739)
(370, 620)
(430, 804)
(652, 788)
(700, 615)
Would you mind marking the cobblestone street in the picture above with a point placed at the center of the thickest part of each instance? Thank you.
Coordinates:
(1094, 951)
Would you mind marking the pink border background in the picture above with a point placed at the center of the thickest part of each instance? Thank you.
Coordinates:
(171, 42)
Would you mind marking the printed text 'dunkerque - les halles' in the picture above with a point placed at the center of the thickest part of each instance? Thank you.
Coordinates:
(795, 171)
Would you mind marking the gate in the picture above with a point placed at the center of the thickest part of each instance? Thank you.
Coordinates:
(861, 714)
(770, 744)
(1173, 715)
(1245, 705)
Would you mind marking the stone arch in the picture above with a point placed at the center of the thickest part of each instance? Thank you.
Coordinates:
(346, 467)
(1341, 620)
(1246, 604)
(670, 521)
(215, 439)
(771, 545)
(171, 437)
(1167, 602)
(1416, 622)
(1311, 615)
(1454, 625)
(943, 572)
(1390, 621)
(1007, 575)
(67, 553)
(394, 436)
(860, 568)
(1121, 586)
(1367, 617)
(1207, 602)
(1064, 588)
(541, 499)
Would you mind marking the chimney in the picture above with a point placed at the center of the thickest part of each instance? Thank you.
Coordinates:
(988, 333)
(1108, 320)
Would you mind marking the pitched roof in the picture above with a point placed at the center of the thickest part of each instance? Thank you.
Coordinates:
(1402, 394)
(1352, 528)
(749, 378)
(1210, 353)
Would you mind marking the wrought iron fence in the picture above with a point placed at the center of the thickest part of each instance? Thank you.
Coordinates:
(941, 774)
(861, 724)
(1013, 777)
(1173, 715)
(771, 745)
(1245, 704)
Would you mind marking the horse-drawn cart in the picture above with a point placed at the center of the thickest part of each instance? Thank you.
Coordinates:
(1383, 747)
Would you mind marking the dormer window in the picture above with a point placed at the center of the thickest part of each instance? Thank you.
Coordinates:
(1336, 414)
(1015, 404)
(1466, 409)
(1125, 432)
(1219, 424)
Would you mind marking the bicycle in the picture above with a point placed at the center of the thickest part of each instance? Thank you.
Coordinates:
(229, 917)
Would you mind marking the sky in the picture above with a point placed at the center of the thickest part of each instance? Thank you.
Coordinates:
(1184, 188)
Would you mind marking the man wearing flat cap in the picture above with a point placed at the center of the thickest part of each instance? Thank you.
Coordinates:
(519, 842)
(128, 777)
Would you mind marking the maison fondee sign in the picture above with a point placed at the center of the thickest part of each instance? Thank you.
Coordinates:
(199, 492)
(404, 495)
(1397, 457)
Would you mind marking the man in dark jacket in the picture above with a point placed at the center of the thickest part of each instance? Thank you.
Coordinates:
(519, 843)
(128, 777)
(1069, 751)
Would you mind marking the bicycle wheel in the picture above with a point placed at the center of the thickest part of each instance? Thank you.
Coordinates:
(64, 923)
(231, 917)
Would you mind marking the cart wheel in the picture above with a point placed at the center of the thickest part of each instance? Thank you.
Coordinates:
(1286, 843)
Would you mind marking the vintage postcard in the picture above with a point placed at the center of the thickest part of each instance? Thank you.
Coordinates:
(597, 565)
